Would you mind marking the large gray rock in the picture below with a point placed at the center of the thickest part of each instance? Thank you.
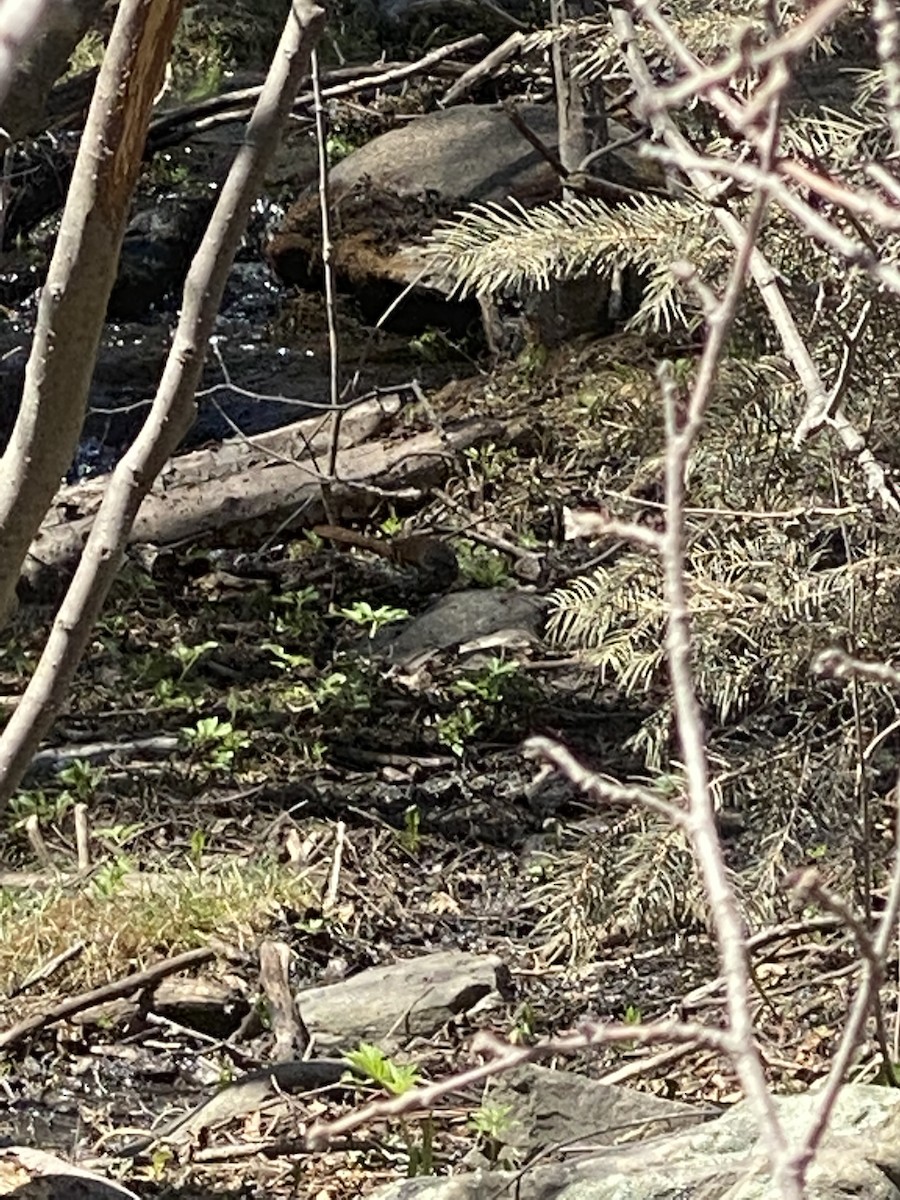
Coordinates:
(549, 1107)
(388, 1005)
(479, 617)
(860, 1156)
(388, 196)
(464, 154)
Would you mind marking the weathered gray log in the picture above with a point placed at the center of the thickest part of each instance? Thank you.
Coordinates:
(253, 499)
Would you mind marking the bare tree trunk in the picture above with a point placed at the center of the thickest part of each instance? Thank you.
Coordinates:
(572, 306)
(55, 27)
(73, 302)
(579, 105)
(173, 407)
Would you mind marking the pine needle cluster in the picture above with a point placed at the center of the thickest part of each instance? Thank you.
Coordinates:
(785, 553)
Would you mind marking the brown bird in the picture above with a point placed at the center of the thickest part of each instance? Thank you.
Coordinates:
(431, 557)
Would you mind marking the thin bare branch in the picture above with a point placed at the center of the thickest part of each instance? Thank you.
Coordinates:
(603, 791)
(874, 953)
(681, 436)
(764, 276)
(173, 407)
(840, 665)
(742, 59)
(507, 1058)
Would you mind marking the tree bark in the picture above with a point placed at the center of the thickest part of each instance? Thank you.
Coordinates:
(25, 81)
(579, 105)
(73, 302)
(572, 306)
(173, 408)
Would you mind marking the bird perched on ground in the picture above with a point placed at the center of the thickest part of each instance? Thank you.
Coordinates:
(426, 553)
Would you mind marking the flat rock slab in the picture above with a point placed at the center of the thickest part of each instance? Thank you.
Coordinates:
(388, 1005)
(859, 1156)
(546, 1107)
(477, 616)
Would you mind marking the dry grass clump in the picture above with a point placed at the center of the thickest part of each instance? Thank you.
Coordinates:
(128, 920)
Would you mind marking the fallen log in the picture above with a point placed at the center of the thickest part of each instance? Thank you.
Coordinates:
(244, 505)
(309, 437)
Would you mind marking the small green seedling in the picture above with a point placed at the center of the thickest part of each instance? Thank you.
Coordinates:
(482, 566)
(458, 728)
(396, 1078)
(430, 346)
(81, 779)
(215, 742)
(189, 656)
(363, 614)
(371, 1062)
(168, 694)
(37, 803)
(488, 461)
(300, 612)
(524, 1030)
(107, 879)
(197, 847)
(284, 660)
(338, 146)
(118, 835)
(410, 838)
(347, 691)
(391, 526)
(492, 1123)
(160, 1161)
(487, 683)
